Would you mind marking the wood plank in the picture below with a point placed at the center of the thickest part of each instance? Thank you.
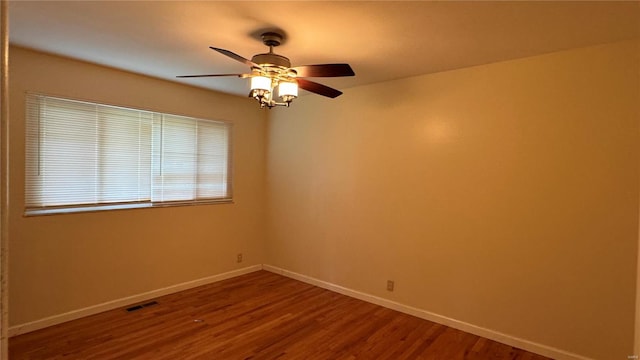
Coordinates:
(257, 316)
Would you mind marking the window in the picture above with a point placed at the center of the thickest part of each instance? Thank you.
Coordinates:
(85, 156)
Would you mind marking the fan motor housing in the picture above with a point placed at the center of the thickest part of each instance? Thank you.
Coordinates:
(271, 59)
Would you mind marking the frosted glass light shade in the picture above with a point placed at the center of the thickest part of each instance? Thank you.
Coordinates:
(260, 83)
(288, 89)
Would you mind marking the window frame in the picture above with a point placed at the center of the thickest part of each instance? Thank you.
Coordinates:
(123, 205)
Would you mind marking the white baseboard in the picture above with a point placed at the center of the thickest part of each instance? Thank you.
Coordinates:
(531, 346)
(114, 304)
(510, 340)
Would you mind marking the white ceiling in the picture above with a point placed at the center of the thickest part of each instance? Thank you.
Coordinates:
(382, 40)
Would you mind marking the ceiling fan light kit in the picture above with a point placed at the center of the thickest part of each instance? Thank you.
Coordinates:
(271, 72)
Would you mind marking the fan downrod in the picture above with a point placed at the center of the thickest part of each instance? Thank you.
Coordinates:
(272, 39)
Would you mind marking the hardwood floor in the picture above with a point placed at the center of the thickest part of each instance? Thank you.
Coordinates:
(257, 316)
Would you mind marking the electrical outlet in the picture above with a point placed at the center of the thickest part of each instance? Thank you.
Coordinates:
(390, 285)
(239, 259)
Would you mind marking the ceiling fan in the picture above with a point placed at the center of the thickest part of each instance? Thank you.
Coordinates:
(270, 71)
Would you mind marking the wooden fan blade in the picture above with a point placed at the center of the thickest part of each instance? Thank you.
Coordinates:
(235, 56)
(324, 70)
(319, 89)
(212, 75)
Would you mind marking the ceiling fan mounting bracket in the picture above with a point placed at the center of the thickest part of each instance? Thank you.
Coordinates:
(272, 38)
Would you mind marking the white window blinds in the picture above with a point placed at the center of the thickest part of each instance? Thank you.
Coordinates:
(190, 159)
(80, 154)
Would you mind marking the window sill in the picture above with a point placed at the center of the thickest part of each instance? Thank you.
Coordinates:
(83, 209)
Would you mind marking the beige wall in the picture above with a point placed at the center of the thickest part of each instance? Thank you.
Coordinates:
(60, 263)
(503, 195)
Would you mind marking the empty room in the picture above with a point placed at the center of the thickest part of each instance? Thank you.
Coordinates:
(320, 180)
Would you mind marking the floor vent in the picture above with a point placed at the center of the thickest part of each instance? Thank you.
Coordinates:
(138, 307)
